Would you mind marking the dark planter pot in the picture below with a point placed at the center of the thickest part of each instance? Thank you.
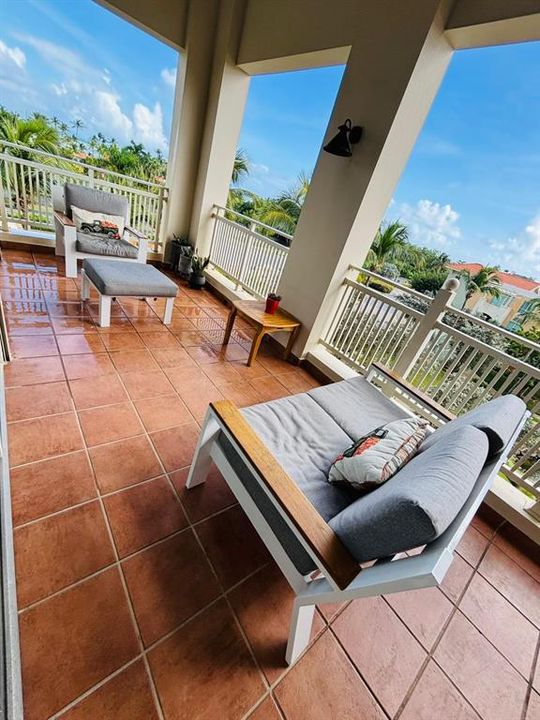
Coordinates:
(175, 255)
(197, 281)
(184, 265)
(271, 305)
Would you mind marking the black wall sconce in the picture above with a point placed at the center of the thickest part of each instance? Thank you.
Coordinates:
(348, 135)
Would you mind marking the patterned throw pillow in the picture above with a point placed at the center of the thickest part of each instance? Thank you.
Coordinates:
(374, 458)
(98, 224)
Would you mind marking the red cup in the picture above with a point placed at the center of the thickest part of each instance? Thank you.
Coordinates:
(271, 305)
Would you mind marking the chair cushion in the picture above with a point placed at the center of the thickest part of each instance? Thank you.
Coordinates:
(419, 502)
(128, 278)
(95, 245)
(497, 418)
(356, 406)
(305, 440)
(95, 201)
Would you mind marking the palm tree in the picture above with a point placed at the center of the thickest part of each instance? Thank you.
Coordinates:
(389, 241)
(283, 212)
(35, 133)
(237, 197)
(485, 281)
(241, 166)
(78, 125)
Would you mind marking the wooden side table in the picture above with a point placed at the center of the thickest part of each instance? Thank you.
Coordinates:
(254, 313)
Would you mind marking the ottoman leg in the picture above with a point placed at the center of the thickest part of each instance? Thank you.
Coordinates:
(105, 310)
(85, 287)
(167, 315)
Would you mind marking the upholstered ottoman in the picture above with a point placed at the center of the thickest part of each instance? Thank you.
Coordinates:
(121, 278)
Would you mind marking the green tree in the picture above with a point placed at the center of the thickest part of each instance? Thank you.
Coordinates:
(485, 281)
(428, 281)
(389, 241)
(36, 133)
(283, 212)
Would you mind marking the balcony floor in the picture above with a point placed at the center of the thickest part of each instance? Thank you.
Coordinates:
(139, 600)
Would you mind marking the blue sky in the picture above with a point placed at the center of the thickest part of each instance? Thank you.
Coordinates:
(471, 187)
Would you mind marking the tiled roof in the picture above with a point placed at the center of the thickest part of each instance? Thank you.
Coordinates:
(505, 277)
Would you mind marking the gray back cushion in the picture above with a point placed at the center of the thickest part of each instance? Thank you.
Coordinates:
(498, 419)
(418, 503)
(105, 246)
(95, 201)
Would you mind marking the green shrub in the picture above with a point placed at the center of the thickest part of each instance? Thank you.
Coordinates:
(428, 281)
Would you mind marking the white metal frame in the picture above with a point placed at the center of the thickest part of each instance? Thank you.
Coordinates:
(396, 574)
(106, 300)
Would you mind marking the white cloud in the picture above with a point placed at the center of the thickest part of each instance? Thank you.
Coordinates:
(12, 55)
(168, 75)
(148, 125)
(430, 223)
(520, 253)
(59, 89)
(58, 56)
(110, 115)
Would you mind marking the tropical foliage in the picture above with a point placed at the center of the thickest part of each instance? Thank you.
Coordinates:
(485, 281)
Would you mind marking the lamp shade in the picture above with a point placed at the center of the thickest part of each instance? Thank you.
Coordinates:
(339, 144)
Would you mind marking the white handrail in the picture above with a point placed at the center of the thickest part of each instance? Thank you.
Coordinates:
(251, 220)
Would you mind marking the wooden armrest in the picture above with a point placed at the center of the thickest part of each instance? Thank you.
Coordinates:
(63, 219)
(414, 392)
(132, 231)
(328, 548)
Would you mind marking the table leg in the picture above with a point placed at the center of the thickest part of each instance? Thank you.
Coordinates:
(230, 323)
(290, 344)
(255, 346)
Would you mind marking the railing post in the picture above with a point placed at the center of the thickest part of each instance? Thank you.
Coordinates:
(3, 212)
(244, 260)
(91, 177)
(419, 339)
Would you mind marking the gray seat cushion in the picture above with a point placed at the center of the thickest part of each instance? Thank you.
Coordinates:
(498, 419)
(128, 278)
(306, 441)
(418, 503)
(95, 245)
(356, 406)
(95, 201)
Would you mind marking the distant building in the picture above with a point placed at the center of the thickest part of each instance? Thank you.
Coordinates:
(518, 295)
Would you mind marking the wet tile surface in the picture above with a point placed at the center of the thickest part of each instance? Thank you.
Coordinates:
(140, 599)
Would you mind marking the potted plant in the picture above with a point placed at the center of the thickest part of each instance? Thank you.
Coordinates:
(182, 252)
(272, 303)
(198, 265)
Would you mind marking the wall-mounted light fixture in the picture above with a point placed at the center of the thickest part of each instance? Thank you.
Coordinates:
(348, 135)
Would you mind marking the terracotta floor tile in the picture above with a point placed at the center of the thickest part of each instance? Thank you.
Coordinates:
(487, 521)
(143, 514)
(120, 464)
(66, 294)
(205, 354)
(255, 370)
(160, 340)
(149, 324)
(23, 282)
(436, 697)
(74, 640)
(206, 665)
(242, 394)
(377, 642)
(93, 310)
(205, 499)
(198, 398)
(175, 446)
(168, 583)
(40, 438)
(67, 309)
(294, 382)
(268, 388)
(133, 308)
(80, 344)
(233, 546)
(73, 326)
(122, 341)
(117, 325)
(162, 412)
(89, 365)
(95, 391)
(232, 352)
(190, 338)
(36, 324)
(173, 358)
(127, 361)
(263, 604)
(487, 680)
(27, 402)
(533, 710)
(457, 577)
(513, 582)
(338, 694)
(472, 546)
(223, 373)
(504, 626)
(55, 552)
(30, 347)
(30, 371)
(50, 485)
(146, 384)
(187, 379)
(524, 551)
(191, 311)
(126, 697)
(181, 324)
(424, 612)
(107, 424)
(267, 710)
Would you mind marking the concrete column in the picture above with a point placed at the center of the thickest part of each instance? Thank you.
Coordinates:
(393, 73)
(210, 100)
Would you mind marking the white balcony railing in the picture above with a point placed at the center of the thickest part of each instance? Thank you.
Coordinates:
(26, 190)
(457, 359)
(244, 255)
